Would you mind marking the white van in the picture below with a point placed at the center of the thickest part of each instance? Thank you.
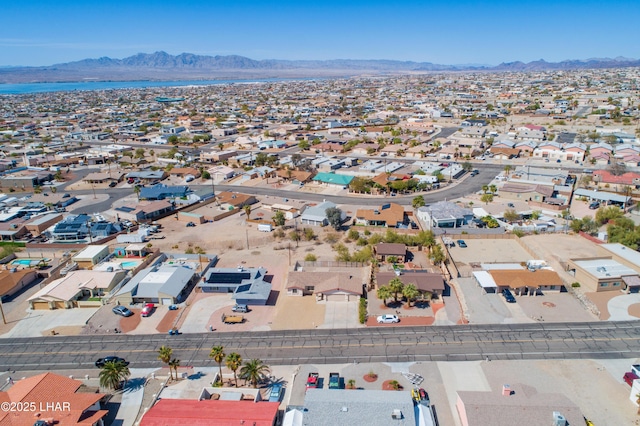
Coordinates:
(265, 227)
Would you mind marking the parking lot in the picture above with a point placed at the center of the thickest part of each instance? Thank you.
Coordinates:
(487, 250)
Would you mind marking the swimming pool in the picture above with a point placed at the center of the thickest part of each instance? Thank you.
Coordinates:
(28, 262)
(129, 264)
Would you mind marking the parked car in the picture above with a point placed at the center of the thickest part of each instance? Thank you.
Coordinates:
(113, 184)
(594, 205)
(388, 319)
(511, 205)
(122, 310)
(508, 296)
(629, 377)
(415, 394)
(146, 311)
(424, 396)
(190, 224)
(102, 361)
(240, 308)
(462, 244)
(276, 392)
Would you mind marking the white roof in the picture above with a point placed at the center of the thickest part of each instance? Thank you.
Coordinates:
(624, 252)
(485, 279)
(90, 252)
(605, 268)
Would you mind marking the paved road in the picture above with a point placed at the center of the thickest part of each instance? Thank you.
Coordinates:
(467, 186)
(374, 344)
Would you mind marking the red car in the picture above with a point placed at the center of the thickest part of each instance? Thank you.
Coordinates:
(146, 311)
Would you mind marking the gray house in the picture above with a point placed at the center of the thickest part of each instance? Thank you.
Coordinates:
(316, 215)
(163, 284)
(248, 285)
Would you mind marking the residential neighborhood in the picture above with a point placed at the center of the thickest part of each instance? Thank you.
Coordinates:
(252, 215)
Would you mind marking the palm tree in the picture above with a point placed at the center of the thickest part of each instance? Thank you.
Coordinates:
(410, 291)
(383, 294)
(174, 364)
(164, 355)
(234, 361)
(217, 353)
(485, 188)
(247, 210)
(493, 188)
(394, 384)
(395, 285)
(254, 371)
(507, 169)
(113, 373)
(136, 189)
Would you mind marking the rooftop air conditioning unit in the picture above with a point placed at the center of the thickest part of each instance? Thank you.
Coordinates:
(396, 414)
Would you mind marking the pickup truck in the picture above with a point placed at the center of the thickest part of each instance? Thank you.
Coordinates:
(334, 380)
(312, 380)
(232, 319)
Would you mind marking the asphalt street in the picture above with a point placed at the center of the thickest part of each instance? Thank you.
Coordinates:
(468, 185)
(372, 344)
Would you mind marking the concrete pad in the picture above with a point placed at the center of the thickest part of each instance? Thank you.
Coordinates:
(619, 307)
(35, 322)
(198, 317)
(341, 315)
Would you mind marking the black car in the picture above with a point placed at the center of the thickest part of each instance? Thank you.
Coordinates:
(508, 296)
(112, 184)
(121, 310)
(102, 361)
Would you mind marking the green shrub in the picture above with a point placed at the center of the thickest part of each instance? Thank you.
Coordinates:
(575, 284)
(362, 310)
(310, 257)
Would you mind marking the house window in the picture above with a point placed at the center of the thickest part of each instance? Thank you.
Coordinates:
(294, 291)
(616, 284)
(604, 284)
(310, 288)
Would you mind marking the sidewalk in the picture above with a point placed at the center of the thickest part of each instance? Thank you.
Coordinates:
(132, 397)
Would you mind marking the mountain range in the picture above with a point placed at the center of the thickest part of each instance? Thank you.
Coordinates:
(188, 66)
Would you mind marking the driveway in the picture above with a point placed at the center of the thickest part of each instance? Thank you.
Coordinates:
(482, 308)
(198, 317)
(35, 323)
(619, 307)
(341, 315)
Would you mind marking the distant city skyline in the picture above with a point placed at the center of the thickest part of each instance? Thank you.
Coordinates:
(39, 33)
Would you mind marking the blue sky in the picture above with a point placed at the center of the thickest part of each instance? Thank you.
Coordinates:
(444, 32)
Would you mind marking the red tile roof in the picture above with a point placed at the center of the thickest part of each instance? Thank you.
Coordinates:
(169, 412)
(607, 177)
(55, 398)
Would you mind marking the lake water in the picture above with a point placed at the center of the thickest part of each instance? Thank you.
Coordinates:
(26, 88)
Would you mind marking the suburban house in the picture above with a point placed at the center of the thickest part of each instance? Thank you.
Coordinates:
(235, 200)
(248, 285)
(59, 400)
(73, 288)
(604, 197)
(183, 172)
(295, 176)
(328, 286)
(551, 150)
(526, 192)
(444, 214)
(38, 224)
(388, 215)
(604, 178)
(161, 192)
(12, 282)
(167, 283)
(425, 281)
(333, 179)
(81, 228)
(145, 210)
(605, 274)
(364, 407)
(516, 404)
(103, 177)
(317, 216)
(385, 250)
(147, 175)
(526, 282)
(182, 412)
(90, 256)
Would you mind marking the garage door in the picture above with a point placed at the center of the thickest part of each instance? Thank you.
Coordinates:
(59, 304)
(167, 301)
(40, 305)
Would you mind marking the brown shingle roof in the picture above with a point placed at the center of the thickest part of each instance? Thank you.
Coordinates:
(323, 282)
(525, 278)
(391, 215)
(424, 281)
(391, 249)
